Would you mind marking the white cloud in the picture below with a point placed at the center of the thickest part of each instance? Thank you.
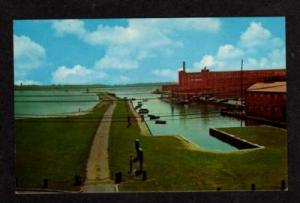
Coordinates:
(229, 51)
(256, 63)
(62, 27)
(206, 61)
(203, 24)
(255, 35)
(140, 38)
(227, 56)
(77, 75)
(166, 73)
(149, 31)
(28, 55)
(117, 58)
(256, 45)
(27, 82)
(277, 58)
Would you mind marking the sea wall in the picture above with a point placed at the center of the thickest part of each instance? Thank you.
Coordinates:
(144, 128)
(232, 140)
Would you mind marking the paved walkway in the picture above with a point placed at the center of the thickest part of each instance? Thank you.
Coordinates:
(97, 171)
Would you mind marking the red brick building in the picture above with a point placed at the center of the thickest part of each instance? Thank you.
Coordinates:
(220, 84)
(267, 100)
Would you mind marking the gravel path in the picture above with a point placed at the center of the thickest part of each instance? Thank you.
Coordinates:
(97, 171)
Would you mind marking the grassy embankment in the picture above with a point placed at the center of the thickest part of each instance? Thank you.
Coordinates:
(171, 166)
(55, 148)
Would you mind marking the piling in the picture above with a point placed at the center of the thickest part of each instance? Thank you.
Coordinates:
(144, 175)
(141, 158)
(130, 164)
(137, 146)
(118, 177)
(77, 180)
(253, 187)
(45, 183)
(283, 185)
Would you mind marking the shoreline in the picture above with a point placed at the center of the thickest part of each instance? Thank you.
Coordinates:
(64, 115)
(144, 128)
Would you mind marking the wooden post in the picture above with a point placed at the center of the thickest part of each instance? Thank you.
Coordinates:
(283, 185)
(144, 175)
(253, 187)
(17, 184)
(130, 164)
(218, 188)
(77, 180)
(141, 158)
(142, 118)
(45, 183)
(137, 146)
(118, 177)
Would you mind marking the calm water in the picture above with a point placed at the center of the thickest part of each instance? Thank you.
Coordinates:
(192, 122)
(52, 102)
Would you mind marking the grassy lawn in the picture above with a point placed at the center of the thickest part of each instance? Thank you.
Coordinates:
(171, 166)
(55, 148)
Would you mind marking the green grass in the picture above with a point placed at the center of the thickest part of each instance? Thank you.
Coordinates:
(171, 166)
(56, 149)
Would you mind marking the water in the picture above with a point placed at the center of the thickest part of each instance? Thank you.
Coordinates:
(52, 102)
(191, 122)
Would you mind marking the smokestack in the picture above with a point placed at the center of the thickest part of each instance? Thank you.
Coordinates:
(183, 66)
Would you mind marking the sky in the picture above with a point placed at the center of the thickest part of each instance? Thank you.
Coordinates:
(126, 51)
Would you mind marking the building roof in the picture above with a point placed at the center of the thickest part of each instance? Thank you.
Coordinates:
(279, 87)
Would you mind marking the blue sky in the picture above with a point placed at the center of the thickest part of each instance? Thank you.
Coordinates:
(123, 51)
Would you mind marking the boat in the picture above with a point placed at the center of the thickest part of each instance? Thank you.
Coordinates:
(160, 122)
(152, 117)
(143, 111)
(138, 106)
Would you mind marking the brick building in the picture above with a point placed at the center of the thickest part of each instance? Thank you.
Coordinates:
(226, 84)
(267, 100)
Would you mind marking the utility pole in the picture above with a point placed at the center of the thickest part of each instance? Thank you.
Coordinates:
(241, 92)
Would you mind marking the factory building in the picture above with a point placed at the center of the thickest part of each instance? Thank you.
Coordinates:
(220, 84)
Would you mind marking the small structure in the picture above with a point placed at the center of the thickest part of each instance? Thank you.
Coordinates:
(267, 100)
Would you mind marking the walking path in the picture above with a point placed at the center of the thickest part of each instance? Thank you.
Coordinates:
(144, 130)
(97, 171)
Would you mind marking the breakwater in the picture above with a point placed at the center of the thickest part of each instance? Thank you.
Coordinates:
(232, 140)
